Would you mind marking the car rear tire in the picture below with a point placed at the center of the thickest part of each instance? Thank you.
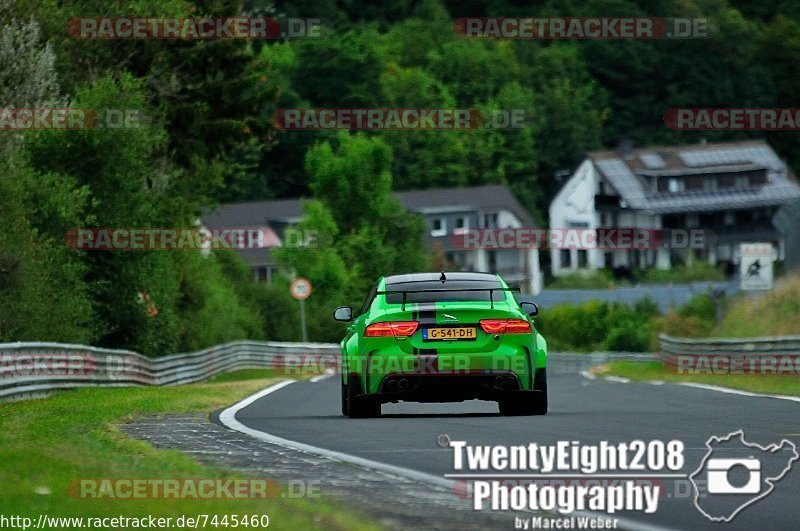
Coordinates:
(537, 406)
(344, 398)
(359, 407)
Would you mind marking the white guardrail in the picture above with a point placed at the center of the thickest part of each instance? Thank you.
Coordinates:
(671, 348)
(35, 369)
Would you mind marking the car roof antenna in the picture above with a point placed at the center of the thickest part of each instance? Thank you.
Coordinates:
(442, 278)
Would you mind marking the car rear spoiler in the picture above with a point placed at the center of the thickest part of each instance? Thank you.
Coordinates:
(443, 290)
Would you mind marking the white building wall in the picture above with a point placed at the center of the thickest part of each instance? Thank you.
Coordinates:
(640, 220)
(534, 272)
(507, 220)
(574, 203)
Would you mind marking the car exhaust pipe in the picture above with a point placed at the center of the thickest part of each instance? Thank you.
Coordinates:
(403, 384)
(391, 386)
(498, 382)
(510, 382)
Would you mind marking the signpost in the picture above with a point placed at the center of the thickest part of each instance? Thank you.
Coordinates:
(300, 290)
(756, 266)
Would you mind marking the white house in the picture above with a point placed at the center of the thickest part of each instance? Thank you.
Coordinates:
(731, 190)
(448, 213)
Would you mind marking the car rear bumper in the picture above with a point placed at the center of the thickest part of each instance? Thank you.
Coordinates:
(380, 370)
(450, 387)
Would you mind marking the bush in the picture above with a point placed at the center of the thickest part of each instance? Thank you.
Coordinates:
(597, 325)
(694, 319)
(696, 272)
(647, 307)
(217, 312)
(700, 306)
(628, 336)
(599, 279)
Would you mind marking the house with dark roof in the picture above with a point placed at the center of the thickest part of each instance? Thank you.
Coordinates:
(730, 190)
(449, 214)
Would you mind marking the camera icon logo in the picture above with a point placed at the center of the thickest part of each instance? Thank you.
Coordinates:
(719, 476)
(735, 474)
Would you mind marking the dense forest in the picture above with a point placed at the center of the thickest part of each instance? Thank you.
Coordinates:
(210, 138)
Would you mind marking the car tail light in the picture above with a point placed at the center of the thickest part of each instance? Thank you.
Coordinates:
(505, 326)
(391, 328)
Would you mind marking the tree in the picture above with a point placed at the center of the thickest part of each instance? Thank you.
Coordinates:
(42, 296)
(360, 231)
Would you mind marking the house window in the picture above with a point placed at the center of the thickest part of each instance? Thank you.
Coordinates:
(742, 181)
(490, 221)
(462, 225)
(438, 227)
(582, 258)
(261, 273)
(692, 221)
(578, 224)
(710, 184)
(676, 185)
(491, 258)
(566, 258)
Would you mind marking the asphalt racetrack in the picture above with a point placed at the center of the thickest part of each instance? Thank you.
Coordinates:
(580, 410)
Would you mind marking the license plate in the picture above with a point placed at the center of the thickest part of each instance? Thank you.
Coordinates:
(449, 334)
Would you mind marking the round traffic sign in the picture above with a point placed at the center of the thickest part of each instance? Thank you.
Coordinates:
(300, 289)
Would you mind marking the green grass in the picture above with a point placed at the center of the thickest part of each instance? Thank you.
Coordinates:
(245, 374)
(47, 443)
(772, 313)
(302, 372)
(655, 370)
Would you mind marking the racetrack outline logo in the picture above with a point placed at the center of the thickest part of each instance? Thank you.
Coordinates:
(755, 471)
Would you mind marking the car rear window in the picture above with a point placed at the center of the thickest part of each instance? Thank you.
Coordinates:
(449, 291)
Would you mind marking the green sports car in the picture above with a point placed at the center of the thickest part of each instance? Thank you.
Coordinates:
(442, 337)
